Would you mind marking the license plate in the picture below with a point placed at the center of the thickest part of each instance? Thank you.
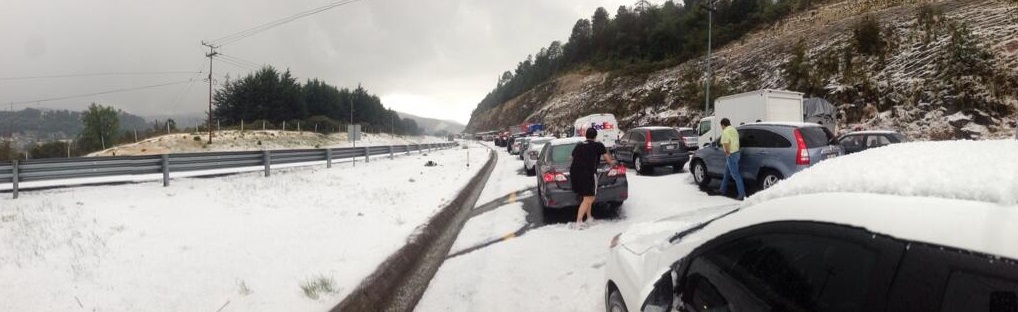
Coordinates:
(831, 155)
(669, 147)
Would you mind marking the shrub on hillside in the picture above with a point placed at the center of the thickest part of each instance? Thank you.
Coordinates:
(866, 35)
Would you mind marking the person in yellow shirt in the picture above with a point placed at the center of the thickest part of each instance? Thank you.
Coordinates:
(730, 143)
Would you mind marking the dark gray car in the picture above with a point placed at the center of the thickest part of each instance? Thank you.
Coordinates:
(770, 152)
(862, 140)
(554, 187)
(649, 147)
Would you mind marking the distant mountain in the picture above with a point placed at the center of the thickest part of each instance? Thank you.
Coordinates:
(182, 119)
(434, 126)
(31, 125)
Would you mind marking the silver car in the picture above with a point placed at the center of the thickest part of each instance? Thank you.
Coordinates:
(532, 152)
(771, 151)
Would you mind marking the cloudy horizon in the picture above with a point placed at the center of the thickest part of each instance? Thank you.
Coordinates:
(435, 59)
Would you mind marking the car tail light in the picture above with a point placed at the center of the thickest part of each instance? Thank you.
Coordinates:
(617, 171)
(552, 176)
(802, 154)
(533, 155)
(649, 147)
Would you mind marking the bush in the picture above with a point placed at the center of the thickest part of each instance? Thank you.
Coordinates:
(197, 138)
(867, 36)
(313, 288)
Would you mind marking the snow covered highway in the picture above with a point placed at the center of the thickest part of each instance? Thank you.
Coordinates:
(512, 257)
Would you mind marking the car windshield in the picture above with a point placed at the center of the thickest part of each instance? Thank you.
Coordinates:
(539, 141)
(899, 137)
(560, 153)
(816, 136)
(664, 135)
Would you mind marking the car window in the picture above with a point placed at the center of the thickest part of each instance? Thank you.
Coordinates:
(539, 141)
(659, 135)
(748, 137)
(816, 136)
(788, 272)
(639, 135)
(934, 278)
(688, 133)
(851, 141)
(898, 138)
(876, 140)
(769, 139)
(704, 127)
(560, 153)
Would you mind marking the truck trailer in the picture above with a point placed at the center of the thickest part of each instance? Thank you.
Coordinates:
(750, 107)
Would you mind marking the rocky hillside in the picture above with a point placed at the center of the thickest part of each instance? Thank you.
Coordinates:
(931, 69)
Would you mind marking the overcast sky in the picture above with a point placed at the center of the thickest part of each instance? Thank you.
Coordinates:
(435, 58)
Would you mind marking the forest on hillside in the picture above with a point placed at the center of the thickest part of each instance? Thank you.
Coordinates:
(640, 38)
(274, 97)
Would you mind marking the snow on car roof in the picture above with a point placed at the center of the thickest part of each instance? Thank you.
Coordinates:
(784, 123)
(969, 170)
(567, 140)
(656, 128)
(963, 224)
(872, 132)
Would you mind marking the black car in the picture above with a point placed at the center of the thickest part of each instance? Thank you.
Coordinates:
(555, 189)
(649, 147)
(862, 140)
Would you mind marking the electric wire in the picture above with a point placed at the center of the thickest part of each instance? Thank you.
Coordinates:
(219, 42)
(97, 75)
(100, 93)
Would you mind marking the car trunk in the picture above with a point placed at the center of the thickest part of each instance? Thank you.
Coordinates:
(664, 141)
(819, 143)
(603, 178)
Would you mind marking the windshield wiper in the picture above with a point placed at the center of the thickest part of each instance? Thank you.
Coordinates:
(680, 235)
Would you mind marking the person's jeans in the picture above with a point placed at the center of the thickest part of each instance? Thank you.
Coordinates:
(732, 169)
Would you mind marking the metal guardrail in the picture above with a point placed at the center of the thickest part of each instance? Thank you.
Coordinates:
(33, 170)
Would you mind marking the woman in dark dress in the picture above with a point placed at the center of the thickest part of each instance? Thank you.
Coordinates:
(583, 172)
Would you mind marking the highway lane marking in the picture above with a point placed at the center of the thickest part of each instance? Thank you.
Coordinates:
(512, 197)
(509, 236)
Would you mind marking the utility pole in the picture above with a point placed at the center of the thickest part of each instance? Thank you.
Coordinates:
(212, 53)
(710, 22)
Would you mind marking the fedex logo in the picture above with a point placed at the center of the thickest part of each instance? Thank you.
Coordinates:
(603, 126)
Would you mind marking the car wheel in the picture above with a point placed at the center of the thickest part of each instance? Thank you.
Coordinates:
(615, 302)
(700, 173)
(678, 168)
(769, 178)
(638, 164)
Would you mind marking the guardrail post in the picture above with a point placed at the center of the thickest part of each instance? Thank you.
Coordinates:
(266, 160)
(407, 149)
(166, 170)
(391, 155)
(328, 158)
(14, 178)
(367, 154)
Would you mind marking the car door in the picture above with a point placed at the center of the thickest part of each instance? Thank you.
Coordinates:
(789, 266)
(751, 153)
(713, 156)
(876, 140)
(851, 143)
(936, 278)
(635, 146)
(622, 150)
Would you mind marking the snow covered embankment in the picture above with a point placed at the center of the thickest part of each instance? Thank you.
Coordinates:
(240, 243)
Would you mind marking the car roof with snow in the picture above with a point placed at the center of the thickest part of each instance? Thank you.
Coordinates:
(569, 140)
(962, 194)
(872, 132)
(655, 128)
(783, 123)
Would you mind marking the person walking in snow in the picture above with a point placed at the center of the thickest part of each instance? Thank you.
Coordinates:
(730, 142)
(583, 172)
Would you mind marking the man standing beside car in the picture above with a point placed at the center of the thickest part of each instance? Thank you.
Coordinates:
(730, 142)
(583, 172)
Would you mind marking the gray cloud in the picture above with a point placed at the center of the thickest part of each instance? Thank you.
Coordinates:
(431, 58)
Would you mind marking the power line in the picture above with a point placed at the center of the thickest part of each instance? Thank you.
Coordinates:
(239, 60)
(101, 93)
(255, 30)
(98, 75)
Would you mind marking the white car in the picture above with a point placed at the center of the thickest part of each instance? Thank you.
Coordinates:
(530, 155)
(921, 226)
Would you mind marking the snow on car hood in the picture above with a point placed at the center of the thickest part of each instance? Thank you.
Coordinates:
(984, 171)
(641, 237)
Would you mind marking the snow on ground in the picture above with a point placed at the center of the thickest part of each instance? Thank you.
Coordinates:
(490, 226)
(946, 169)
(554, 267)
(234, 243)
(254, 140)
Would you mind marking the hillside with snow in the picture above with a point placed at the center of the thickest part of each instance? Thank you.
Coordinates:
(254, 140)
(945, 70)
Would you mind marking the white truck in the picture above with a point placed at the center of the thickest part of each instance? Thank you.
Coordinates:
(750, 107)
(606, 125)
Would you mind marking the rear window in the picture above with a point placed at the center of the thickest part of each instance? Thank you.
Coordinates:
(560, 153)
(816, 136)
(664, 135)
(688, 133)
(899, 137)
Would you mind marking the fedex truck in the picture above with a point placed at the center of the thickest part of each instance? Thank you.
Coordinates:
(750, 107)
(605, 124)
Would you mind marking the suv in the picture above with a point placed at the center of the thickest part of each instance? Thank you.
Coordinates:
(554, 189)
(771, 151)
(649, 147)
(690, 136)
(862, 140)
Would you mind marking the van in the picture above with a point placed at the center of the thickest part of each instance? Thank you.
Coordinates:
(605, 124)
